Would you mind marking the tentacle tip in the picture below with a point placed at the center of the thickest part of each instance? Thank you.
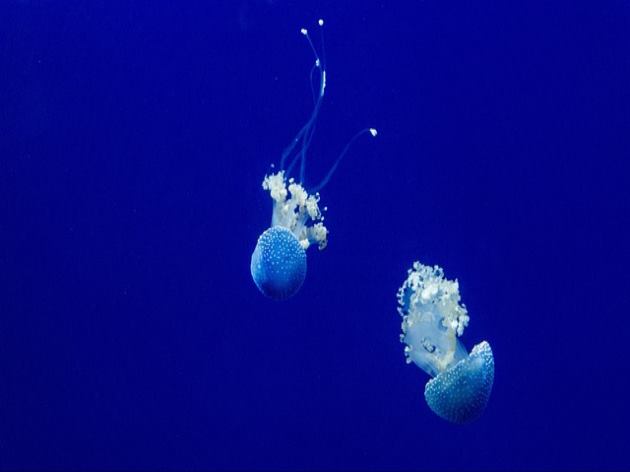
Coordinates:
(320, 22)
(373, 131)
(304, 31)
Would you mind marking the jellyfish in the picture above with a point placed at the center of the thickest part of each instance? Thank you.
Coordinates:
(433, 319)
(278, 263)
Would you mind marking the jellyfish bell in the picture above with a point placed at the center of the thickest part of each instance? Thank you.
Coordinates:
(433, 319)
(278, 263)
(461, 392)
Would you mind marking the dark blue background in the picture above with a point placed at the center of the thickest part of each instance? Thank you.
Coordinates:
(133, 141)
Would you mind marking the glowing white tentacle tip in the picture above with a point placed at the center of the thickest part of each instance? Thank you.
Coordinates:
(320, 22)
(304, 31)
(373, 132)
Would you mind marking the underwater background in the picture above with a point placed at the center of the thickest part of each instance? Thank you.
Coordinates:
(134, 137)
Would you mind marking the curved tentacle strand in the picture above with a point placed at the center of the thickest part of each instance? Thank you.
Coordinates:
(372, 131)
(308, 128)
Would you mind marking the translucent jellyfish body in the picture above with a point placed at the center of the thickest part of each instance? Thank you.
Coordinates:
(278, 263)
(433, 321)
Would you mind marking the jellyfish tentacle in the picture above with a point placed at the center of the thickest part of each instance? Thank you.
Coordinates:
(320, 22)
(372, 131)
(314, 93)
(308, 127)
(321, 66)
(306, 133)
(307, 130)
(294, 142)
(320, 62)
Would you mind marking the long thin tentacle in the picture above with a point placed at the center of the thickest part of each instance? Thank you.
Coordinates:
(345, 150)
(305, 134)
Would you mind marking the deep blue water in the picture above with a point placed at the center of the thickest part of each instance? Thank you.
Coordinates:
(134, 137)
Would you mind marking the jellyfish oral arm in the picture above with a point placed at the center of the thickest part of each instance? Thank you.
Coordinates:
(433, 318)
(296, 210)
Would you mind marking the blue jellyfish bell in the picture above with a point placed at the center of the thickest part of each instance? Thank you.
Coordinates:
(433, 321)
(278, 264)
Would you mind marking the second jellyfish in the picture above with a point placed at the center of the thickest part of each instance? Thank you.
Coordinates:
(433, 319)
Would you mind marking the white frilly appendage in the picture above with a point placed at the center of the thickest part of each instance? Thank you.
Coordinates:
(433, 318)
(296, 210)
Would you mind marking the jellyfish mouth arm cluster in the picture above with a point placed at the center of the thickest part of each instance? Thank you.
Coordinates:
(296, 210)
(433, 319)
